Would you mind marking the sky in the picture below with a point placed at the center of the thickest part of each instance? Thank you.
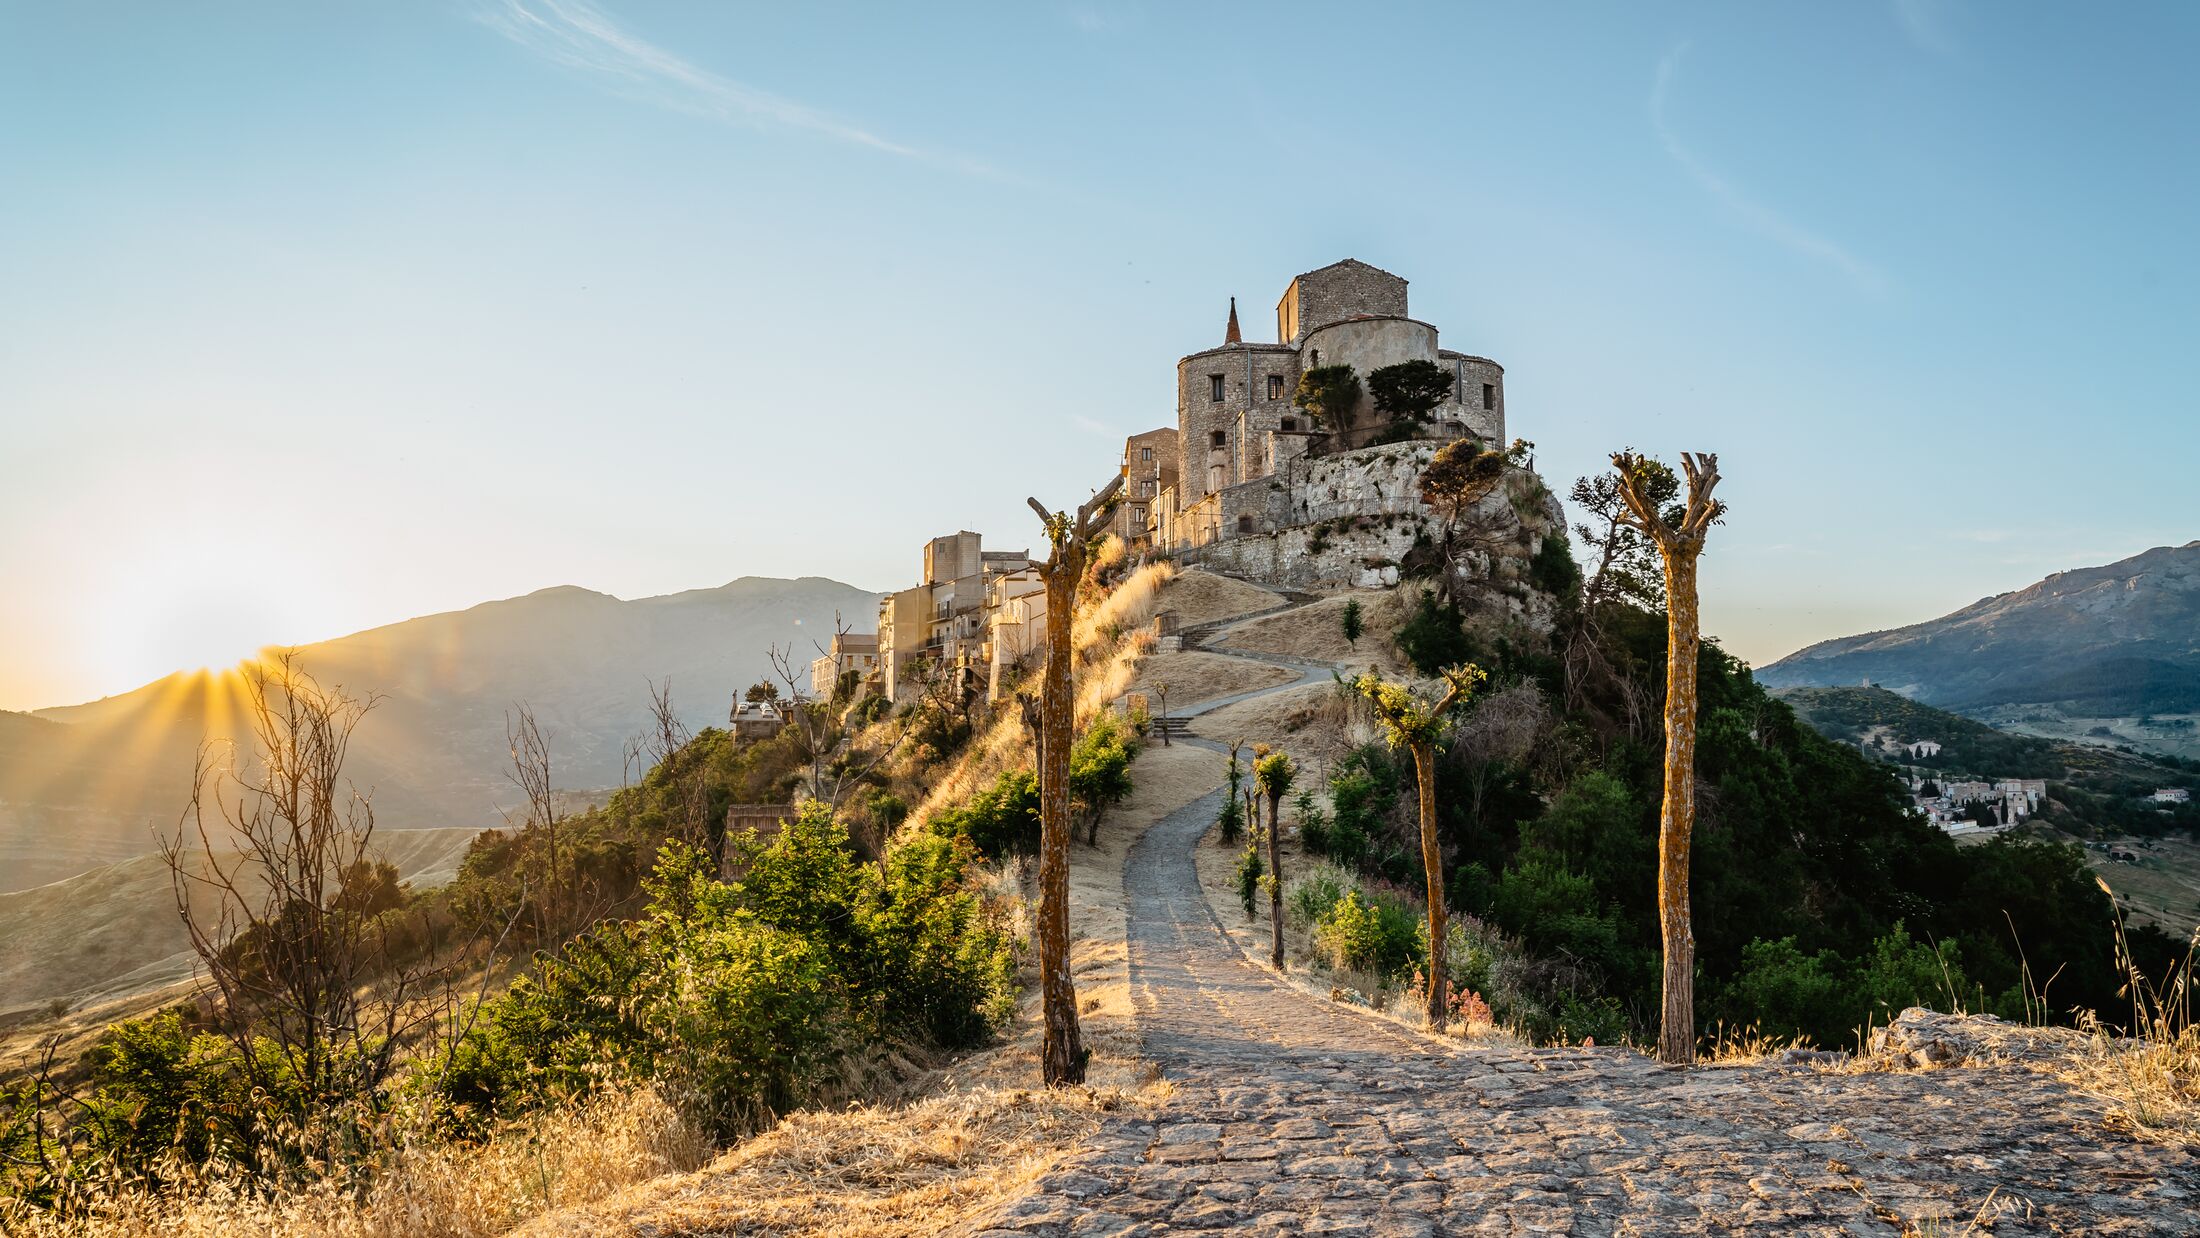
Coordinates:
(319, 317)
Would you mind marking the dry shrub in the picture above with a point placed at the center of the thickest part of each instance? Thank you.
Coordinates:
(430, 1188)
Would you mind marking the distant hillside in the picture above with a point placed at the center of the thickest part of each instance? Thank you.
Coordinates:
(88, 784)
(113, 931)
(2121, 640)
(1850, 715)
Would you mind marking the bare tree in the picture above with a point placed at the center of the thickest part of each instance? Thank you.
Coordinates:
(1062, 1051)
(283, 901)
(1679, 537)
(562, 904)
(833, 766)
(1415, 724)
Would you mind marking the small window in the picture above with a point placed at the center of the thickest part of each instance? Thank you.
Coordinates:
(1145, 453)
(1218, 440)
(1290, 423)
(1214, 386)
(1245, 524)
(1145, 487)
(1489, 395)
(1138, 515)
(1275, 386)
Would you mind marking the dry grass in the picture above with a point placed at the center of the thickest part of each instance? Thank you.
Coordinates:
(864, 1173)
(1314, 723)
(1315, 631)
(434, 1189)
(1199, 597)
(2152, 1076)
(1193, 677)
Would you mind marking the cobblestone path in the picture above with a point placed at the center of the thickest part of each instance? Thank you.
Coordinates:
(1296, 1115)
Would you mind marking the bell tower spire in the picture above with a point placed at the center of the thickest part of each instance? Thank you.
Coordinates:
(1231, 336)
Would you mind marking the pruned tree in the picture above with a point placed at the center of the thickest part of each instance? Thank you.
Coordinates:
(284, 904)
(1679, 536)
(1409, 390)
(1161, 697)
(1062, 1053)
(1415, 724)
(1273, 773)
(1329, 394)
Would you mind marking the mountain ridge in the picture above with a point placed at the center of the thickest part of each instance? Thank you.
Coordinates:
(87, 784)
(2122, 637)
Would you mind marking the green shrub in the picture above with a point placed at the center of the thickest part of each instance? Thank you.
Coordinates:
(1376, 936)
(737, 997)
(1434, 636)
(1001, 819)
(1310, 897)
(1249, 872)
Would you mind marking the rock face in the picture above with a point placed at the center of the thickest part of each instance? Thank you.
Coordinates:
(2119, 639)
(1356, 518)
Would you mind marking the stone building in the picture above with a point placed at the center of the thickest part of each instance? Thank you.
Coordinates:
(851, 651)
(1249, 462)
(1149, 467)
(942, 620)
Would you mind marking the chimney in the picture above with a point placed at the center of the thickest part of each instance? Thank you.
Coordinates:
(1231, 336)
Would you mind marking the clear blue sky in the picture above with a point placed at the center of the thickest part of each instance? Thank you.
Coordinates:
(314, 317)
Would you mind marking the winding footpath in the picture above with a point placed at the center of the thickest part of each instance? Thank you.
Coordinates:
(1296, 1115)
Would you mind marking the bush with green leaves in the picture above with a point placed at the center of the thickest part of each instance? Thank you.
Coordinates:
(1329, 394)
(999, 820)
(1100, 771)
(1309, 897)
(1409, 390)
(1250, 869)
(1434, 636)
(1377, 934)
(736, 998)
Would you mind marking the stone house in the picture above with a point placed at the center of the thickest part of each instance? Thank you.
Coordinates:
(851, 651)
(755, 720)
(942, 621)
(1149, 467)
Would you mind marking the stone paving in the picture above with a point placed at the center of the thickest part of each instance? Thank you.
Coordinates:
(1295, 1115)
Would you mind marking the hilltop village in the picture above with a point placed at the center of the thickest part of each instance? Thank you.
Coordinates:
(1293, 464)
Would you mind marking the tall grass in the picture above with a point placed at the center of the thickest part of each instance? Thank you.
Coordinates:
(2153, 1072)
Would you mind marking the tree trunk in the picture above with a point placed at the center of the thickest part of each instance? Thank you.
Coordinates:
(1062, 1054)
(1275, 887)
(1677, 1032)
(1432, 862)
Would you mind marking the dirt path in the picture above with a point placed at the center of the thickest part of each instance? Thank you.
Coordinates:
(1294, 1115)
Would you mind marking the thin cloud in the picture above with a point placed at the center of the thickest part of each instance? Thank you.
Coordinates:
(577, 35)
(1089, 426)
(1757, 215)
